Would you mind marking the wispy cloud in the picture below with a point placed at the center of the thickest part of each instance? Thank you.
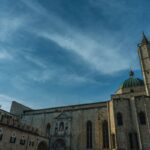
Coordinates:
(96, 52)
(9, 26)
(5, 55)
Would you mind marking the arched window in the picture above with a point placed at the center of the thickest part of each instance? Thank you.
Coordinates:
(61, 126)
(48, 129)
(105, 134)
(89, 134)
(142, 118)
(119, 119)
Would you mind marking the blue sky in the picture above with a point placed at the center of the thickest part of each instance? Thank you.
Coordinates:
(64, 52)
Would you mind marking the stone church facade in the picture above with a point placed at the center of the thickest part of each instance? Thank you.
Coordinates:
(122, 123)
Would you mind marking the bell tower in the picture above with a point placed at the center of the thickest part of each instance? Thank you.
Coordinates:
(144, 55)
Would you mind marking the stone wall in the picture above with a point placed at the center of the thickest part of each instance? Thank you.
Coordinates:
(75, 120)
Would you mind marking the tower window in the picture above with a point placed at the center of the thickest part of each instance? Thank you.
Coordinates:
(142, 118)
(89, 134)
(119, 119)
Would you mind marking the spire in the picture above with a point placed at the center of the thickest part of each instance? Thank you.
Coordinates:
(144, 40)
(131, 73)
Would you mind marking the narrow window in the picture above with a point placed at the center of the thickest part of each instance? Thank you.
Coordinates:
(2, 118)
(142, 118)
(105, 134)
(119, 119)
(48, 129)
(1, 134)
(131, 140)
(136, 141)
(89, 134)
(32, 143)
(113, 141)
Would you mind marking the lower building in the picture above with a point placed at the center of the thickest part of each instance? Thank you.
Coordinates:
(15, 135)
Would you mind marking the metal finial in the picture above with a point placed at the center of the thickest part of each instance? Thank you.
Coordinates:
(131, 73)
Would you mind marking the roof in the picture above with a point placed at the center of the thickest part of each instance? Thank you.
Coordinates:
(132, 81)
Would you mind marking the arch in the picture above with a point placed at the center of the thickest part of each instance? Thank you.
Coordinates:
(89, 134)
(142, 118)
(105, 134)
(48, 129)
(59, 144)
(42, 146)
(119, 119)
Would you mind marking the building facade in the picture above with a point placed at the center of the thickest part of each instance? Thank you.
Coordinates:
(122, 123)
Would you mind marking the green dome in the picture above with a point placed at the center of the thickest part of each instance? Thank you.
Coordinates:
(132, 81)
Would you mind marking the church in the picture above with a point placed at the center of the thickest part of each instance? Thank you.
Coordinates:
(122, 123)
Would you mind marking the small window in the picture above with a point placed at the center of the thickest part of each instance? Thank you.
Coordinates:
(22, 141)
(142, 118)
(132, 91)
(13, 138)
(32, 143)
(119, 119)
